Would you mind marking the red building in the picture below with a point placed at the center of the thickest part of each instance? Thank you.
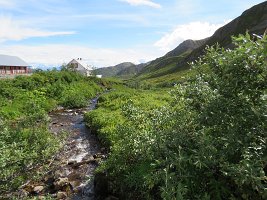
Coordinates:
(12, 65)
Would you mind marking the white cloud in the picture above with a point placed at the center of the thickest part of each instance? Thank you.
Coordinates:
(15, 30)
(142, 3)
(57, 54)
(193, 30)
(7, 3)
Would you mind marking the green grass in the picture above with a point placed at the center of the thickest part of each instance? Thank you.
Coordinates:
(108, 115)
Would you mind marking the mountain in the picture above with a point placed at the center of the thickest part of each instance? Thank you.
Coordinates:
(175, 63)
(114, 70)
(131, 70)
(253, 20)
(167, 63)
(128, 69)
(185, 46)
(122, 70)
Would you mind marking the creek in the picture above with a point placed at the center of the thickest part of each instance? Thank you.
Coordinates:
(71, 171)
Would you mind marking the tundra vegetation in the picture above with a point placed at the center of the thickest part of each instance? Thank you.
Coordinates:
(204, 138)
(25, 142)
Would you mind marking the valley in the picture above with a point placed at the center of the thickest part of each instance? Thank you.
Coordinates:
(171, 67)
(190, 124)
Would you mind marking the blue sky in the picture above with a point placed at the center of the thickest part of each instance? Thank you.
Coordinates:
(107, 32)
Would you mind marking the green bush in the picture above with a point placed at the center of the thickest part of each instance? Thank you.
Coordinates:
(105, 119)
(78, 94)
(208, 143)
(23, 144)
(25, 101)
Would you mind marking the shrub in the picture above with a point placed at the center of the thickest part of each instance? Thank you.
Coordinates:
(25, 140)
(209, 143)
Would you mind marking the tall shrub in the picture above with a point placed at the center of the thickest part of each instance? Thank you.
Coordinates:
(210, 143)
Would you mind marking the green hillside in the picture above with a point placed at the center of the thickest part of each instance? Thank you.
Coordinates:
(174, 65)
(113, 70)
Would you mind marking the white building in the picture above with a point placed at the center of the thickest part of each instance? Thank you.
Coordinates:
(80, 66)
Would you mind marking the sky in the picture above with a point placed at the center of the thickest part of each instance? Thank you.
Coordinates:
(48, 33)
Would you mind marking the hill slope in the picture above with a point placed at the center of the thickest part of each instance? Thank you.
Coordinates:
(131, 70)
(114, 70)
(253, 20)
(185, 46)
(167, 63)
(174, 64)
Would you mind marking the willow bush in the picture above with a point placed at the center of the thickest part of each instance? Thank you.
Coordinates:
(209, 142)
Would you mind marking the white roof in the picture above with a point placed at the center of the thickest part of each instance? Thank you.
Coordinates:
(6, 60)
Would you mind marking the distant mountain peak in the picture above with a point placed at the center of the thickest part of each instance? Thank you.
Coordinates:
(187, 45)
(253, 20)
(114, 70)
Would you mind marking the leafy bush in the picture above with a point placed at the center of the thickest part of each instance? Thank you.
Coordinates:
(23, 144)
(77, 94)
(208, 143)
(105, 119)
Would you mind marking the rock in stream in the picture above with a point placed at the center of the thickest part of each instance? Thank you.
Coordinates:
(70, 173)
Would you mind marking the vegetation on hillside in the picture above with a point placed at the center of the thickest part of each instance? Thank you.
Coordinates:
(208, 142)
(114, 70)
(167, 69)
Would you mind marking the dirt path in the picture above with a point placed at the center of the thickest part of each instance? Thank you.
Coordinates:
(70, 173)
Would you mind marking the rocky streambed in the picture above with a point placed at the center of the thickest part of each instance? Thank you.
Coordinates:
(70, 172)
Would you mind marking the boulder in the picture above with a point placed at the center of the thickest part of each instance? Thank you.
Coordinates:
(61, 195)
(38, 189)
(61, 183)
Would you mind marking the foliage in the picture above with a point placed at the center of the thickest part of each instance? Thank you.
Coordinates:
(105, 119)
(77, 94)
(209, 142)
(25, 140)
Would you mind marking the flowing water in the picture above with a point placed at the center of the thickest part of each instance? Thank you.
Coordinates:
(70, 174)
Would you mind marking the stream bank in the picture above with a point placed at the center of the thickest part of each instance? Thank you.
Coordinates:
(71, 171)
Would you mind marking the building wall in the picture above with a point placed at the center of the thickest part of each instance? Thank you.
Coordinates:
(79, 68)
(8, 70)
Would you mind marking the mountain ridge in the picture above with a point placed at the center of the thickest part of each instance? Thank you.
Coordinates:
(186, 46)
(113, 70)
(253, 20)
